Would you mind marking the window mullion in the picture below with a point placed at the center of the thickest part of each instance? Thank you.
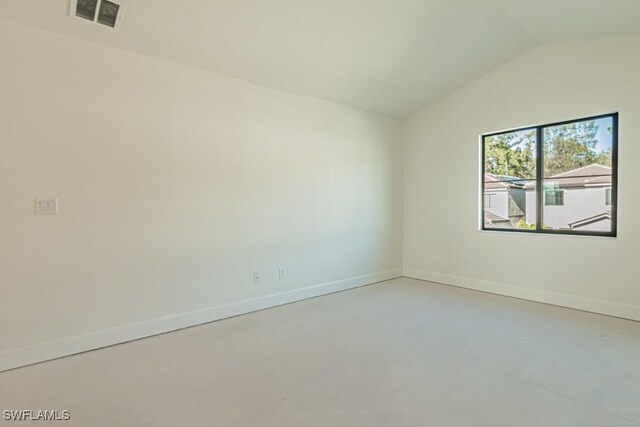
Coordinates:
(539, 171)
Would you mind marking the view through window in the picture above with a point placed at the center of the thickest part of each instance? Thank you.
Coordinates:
(559, 178)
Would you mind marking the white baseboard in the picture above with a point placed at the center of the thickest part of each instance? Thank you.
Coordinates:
(41, 352)
(609, 308)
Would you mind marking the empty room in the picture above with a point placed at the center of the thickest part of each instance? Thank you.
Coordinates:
(320, 213)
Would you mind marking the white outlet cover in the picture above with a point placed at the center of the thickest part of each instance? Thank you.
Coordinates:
(46, 206)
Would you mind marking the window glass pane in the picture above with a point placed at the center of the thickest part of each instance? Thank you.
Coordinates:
(577, 187)
(552, 195)
(86, 9)
(108, 13)
(509, 165)
(577, 168)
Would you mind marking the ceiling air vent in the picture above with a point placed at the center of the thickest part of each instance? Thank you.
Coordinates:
(104, 12)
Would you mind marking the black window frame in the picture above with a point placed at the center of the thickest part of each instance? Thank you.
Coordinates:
(540, 192)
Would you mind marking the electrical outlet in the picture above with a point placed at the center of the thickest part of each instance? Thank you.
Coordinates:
(46, 206)
(282, 273)
(465, 262)
(256, 278)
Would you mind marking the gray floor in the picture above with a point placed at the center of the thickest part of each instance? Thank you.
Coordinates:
(398, 353)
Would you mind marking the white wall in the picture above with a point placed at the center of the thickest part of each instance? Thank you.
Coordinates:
(175, 185)
(441, 146)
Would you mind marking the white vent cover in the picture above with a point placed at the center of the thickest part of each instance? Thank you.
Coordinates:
(104, 12)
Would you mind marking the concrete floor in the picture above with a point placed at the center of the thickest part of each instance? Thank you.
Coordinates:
(398, 353)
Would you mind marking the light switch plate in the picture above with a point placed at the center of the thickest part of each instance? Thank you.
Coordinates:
(46, 206)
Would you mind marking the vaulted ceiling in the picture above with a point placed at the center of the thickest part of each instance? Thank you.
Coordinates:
(386, 56)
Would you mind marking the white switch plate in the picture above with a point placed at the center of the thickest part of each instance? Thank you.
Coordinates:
(256, 278)
(282, 273)
(46, 206)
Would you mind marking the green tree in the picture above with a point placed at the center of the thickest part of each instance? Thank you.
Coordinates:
(511, 154)
(522, 224)
(572, 146)
(603, 158)
(566, 147)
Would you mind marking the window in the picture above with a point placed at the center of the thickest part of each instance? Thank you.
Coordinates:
(105, 12)
(554, 197)
(551, 178)
(487, 200)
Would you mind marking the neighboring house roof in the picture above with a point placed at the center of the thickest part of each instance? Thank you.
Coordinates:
(591, 175)
(491, 218)
(590, 220)
(601, 180)
(497, 182)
